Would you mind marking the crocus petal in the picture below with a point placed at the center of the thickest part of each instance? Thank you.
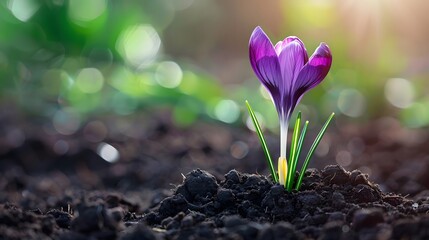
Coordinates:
(292, 58)
(291, 61)
(313, 72)
(265, 64)
(282, 44)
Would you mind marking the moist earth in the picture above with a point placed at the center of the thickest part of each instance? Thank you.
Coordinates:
(332, 204)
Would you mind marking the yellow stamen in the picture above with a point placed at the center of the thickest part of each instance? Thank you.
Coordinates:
(282, 169)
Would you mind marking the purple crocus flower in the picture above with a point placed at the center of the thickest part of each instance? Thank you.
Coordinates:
(287, 73)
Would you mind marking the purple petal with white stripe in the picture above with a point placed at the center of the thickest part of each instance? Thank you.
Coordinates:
(265, 64)
(313, 72)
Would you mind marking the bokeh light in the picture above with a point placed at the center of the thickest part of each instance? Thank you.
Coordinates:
(399, 92)
(139, 45)
(227, 111)
(23, 9)
(66, 121)
(351, 102)
(168, 74)
(89, 80)
(239, 149)
(108, 152)
(343, 158)
(323, 148)
(261, 121)
(82, 11)
(61, 147)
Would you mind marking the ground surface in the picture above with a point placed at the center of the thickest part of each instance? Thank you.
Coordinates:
(52, 186)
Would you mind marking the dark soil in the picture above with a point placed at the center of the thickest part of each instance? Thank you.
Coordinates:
(332, 204)
(46, 194)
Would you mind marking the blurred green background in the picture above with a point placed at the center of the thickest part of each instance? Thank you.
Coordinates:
(65, 61)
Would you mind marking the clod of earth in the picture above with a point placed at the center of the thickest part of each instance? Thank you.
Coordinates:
(333, 204)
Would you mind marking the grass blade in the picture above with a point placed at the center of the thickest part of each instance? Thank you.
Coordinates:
(311, 151)
(293, 153)
(298, 149)
(263, 142)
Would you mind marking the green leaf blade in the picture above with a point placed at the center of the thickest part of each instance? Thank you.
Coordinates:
(311, 151)
(293, 153)
(262, 141)
(299, 147)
